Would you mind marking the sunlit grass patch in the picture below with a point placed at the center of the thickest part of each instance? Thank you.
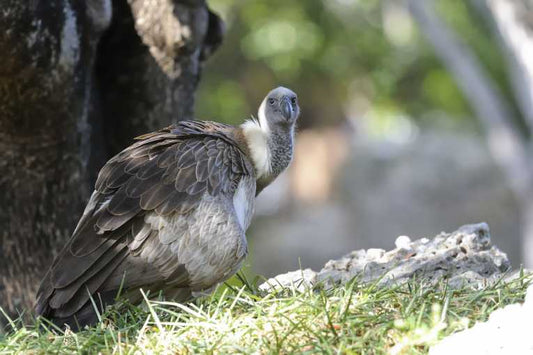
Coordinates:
(237, 318)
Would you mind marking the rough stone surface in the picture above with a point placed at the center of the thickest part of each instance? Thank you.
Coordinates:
(465, 257)
(508, 331)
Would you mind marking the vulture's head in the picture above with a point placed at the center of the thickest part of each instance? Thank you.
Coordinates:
(279, 109)
(270, 139)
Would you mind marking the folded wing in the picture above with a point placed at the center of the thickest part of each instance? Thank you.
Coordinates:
(165, 175)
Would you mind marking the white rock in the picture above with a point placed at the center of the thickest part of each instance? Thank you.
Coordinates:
(509, 330)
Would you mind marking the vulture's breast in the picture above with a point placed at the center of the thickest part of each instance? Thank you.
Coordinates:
(210, 241)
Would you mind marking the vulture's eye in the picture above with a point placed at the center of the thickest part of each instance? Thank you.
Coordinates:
(271, 101)
(293, 101)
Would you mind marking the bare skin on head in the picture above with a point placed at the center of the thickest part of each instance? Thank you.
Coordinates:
(169, 213)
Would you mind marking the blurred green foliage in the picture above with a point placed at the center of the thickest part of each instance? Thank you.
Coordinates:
(346, 59)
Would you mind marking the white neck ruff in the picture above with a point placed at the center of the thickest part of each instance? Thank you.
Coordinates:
(256, 133)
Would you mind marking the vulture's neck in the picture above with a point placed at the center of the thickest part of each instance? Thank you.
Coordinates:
(271, 149)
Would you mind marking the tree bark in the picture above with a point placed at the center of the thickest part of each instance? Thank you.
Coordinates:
(149, 64)
(78, 81)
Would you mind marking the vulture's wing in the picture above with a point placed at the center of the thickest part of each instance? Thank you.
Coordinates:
(138, 192)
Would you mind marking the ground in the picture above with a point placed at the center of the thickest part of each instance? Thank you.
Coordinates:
(349, 319)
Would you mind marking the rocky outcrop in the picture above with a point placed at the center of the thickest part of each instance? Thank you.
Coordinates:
(465, 257)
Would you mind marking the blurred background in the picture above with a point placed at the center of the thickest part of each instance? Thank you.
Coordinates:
(415, 120)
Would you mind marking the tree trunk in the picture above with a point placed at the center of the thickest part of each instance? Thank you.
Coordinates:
(78, 81)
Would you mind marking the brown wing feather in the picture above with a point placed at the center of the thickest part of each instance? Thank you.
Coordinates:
(164, 172)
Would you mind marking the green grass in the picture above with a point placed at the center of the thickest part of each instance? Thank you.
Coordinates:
(350, 319)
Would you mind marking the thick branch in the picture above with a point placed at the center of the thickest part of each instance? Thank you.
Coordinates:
(516, 32)
(149, 64)
(505, 143)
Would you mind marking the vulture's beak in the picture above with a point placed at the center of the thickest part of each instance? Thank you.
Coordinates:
(286, 107)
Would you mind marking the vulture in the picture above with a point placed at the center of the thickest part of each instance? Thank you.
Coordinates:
(169, 213)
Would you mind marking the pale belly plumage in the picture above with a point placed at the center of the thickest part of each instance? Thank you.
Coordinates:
(209, 242)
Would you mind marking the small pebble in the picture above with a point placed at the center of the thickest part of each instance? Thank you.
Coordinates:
(403, 242)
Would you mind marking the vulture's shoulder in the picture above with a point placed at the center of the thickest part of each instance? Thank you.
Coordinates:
(169, 170)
